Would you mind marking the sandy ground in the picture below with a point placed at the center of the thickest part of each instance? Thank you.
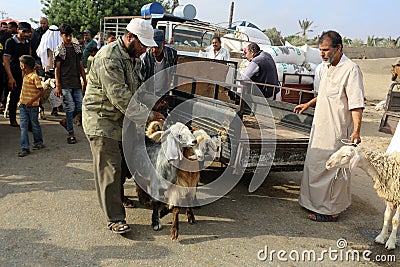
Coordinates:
(377, 76)
(50, 215)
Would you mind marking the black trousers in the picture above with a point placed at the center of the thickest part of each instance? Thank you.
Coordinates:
(14, 97)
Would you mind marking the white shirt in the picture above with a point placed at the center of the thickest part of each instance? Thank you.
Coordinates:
(161, 76)
(222, 54)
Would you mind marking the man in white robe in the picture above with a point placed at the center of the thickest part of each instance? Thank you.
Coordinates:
(337, 116)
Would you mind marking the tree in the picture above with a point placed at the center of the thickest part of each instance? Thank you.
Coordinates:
(296, 40)
(87, 14)
(305, 26)
(274, 36)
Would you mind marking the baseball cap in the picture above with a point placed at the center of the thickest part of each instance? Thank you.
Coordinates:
(24, 26)
(86, 31)
(158, 37)
(143, 30)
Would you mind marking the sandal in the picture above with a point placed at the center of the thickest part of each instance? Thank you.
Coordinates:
(128, 203)
(71, 140)
(119, 227)
(322, 217)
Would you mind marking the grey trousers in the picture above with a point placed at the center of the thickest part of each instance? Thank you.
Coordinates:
(107, 176)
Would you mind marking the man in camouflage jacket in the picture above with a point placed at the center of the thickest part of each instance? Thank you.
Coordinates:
(113, 80)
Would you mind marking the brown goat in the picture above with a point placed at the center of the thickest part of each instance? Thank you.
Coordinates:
(187, 179)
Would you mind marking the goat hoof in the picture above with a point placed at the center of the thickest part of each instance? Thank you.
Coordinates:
(157, 227)
(191, 220)
(380, 239)
(390, 245)
(174, 234)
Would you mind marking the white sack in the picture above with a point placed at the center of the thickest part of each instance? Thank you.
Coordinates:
(282, 68)
(312, 55)
(285, 54)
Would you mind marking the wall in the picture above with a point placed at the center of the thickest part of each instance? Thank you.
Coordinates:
(371, 52)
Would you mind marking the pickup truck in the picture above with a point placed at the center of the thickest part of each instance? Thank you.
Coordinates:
(258, 135)
(391, 116)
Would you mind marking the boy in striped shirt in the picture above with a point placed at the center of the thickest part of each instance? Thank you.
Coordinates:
(31, 92)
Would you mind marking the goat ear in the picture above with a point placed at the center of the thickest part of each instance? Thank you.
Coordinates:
(212, 145)
(353, 162)
(165, 134)
(172, 151)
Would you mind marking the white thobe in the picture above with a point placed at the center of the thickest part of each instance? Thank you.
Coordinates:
(341, 90)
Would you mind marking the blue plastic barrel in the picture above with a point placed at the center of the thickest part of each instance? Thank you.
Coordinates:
(152, 8)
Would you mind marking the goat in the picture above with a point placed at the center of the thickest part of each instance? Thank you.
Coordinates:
(48, 85)
(161, 166)
(385, 172)
(187, 179)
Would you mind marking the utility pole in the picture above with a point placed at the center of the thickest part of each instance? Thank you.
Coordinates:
(2, 12)
(231, 15)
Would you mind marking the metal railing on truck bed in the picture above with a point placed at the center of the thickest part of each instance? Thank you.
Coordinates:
(247, 142)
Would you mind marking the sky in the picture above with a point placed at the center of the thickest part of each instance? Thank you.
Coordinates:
(351, 18)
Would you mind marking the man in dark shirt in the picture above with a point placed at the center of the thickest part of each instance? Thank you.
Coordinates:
(4, 35)
(89, 43)
(262, 69)
(12, 27)
(15, 47)
(69, 69)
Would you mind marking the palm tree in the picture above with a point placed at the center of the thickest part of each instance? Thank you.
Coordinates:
(305, 27)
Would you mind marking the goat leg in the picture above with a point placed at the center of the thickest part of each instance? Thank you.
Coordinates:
(391, 242)
(155, 219)
(191, 197)
(190, 215)
(164, 211)
(380, 239)
(143, 197)
(175, 224)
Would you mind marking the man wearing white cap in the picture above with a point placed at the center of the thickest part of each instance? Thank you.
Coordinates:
(114, 78)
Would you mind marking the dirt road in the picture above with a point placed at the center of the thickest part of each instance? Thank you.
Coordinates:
(50, 216)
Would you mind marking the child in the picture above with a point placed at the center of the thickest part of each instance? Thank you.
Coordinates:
(69, 70)
(29, 105)
(93, 52)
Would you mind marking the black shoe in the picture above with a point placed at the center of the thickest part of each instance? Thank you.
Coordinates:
(24, 152)
(38, 146)
(60, 108)
(54, 112)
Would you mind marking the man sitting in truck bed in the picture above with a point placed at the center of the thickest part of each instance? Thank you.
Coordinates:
(262, 69)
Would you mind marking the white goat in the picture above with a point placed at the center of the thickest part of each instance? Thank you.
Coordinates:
(187, 179)
(385, 172)
(161, 166)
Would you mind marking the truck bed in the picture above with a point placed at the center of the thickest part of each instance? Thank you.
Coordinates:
(281, 131)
